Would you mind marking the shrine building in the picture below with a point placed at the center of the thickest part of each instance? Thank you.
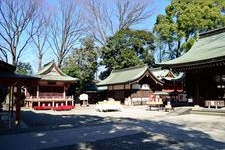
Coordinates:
(50, 92)
(134, 85)
(204, 65)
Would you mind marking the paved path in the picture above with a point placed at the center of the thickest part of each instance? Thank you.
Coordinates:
(57, 138)
(156, 129)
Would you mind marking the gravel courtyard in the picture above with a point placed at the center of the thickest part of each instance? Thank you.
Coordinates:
(133, 128)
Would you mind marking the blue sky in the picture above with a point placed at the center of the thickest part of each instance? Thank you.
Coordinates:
(159, 8)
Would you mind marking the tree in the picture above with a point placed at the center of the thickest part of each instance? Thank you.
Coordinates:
(179, 28)
(15, 18)
(127, 48)
(24, 68)
(105, 19)
(66, 29)
(82, 63)
(41, 28)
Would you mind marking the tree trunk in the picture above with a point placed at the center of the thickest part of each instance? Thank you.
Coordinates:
(39, 62)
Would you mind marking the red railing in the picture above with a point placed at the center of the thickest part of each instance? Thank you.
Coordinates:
(35, 98)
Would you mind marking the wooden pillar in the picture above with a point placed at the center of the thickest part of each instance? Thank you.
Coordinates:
(37, 97)
(37, 91)
(10, 106)
(72, 101)
(18, 104)
(64, 91)
(12, 100)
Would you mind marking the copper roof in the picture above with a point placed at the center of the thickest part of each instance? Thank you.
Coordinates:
(128, 75)
(50, 72)
(209, 48)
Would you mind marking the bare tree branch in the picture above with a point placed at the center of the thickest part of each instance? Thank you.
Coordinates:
(40, 38)
(66, 29)
(105, 20)
(15, 17)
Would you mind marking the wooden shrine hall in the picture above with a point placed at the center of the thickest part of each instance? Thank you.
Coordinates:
(135, 85)
(132, 85)
(50, 92)
(11, 84)
(204, 65)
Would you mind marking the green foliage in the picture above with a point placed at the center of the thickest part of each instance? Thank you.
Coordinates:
(24, 68)
(71, 69)
(82, 63)
(178, 29)
(127, 48)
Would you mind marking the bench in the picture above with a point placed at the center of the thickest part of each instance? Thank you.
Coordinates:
(151, 104)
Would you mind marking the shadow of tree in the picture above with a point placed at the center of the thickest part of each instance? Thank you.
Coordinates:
(156, 135)
(43, 121)
(133, 133)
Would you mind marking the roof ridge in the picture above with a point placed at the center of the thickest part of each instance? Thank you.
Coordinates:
(158, 68)
(212, 32)
(130, 68)
(45, 66)
(48, 63)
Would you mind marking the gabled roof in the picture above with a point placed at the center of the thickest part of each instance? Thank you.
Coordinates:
(128, 75)
(50, 72)
(161, 74)
(165, 74)
(209, 48)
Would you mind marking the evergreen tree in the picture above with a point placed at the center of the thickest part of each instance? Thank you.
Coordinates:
(179, 27)
(24, 68)
(82, 63)
(127, 48)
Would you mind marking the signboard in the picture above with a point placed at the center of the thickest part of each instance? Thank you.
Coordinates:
(190, 100)
(83, 97)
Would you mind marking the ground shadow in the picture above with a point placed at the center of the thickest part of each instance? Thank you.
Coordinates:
(152, 134)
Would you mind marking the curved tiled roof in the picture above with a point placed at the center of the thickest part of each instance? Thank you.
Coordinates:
(165, 74)
(48, 68)
(127, 75)
(50, 72)
(209, 48)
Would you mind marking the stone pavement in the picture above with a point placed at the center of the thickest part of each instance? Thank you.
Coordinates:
(133, 128)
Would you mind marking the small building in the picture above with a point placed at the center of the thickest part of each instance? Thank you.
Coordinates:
(11, 84)
(172, 82)
(173, 88)
(204, 65)
(50, 92)
(94, 93)
(131, 86)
